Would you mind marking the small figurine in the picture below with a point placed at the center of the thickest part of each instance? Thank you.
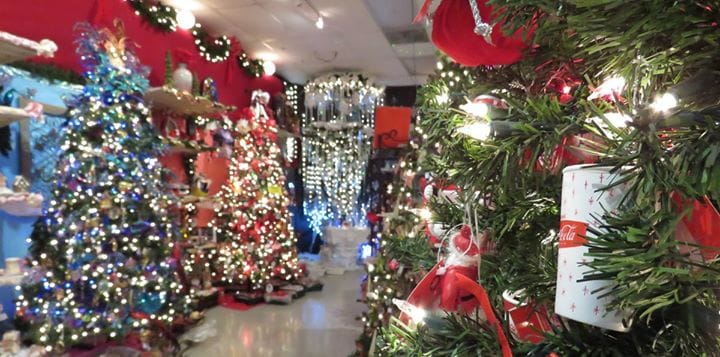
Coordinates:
(209, 89)
(20, 184)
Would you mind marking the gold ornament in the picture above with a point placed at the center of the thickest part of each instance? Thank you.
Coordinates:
(105, 203)
(201, 186)
(275, 189)
(20, 184)
(115, 44)
(114, 213)
(124, 186)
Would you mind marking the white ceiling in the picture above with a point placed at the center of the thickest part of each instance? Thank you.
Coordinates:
(354, 36)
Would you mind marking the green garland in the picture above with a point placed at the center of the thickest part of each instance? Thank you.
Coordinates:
(253, 67)
(212, 49)
(160, 16)
(51, 72)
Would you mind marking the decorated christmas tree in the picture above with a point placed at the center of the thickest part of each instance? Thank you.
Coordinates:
(252, 221)
(405, 255)
(582, 138)
(100, 262)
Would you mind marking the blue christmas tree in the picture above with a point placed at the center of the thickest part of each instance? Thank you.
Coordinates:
(101, 259)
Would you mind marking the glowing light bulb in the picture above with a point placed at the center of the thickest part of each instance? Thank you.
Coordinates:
(417, 314)
(664, 103)
(475, 109)
(442, 98)
(477, 130)
(269, 68)
(618, 120)
(185, 19)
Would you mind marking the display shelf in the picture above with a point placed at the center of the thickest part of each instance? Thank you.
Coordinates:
(23, 204)
(184, 103)
(10, 280)
(9, 115)
(15, 48)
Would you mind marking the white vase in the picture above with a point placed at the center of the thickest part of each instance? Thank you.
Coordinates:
(182, 78)
(583, 203)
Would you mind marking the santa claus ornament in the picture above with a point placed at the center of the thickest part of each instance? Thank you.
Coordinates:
(451, 286)
(470, 32)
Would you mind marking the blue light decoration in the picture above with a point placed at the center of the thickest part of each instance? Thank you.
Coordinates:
(366, 250)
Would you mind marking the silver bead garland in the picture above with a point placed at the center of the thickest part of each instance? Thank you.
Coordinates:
(483, 29)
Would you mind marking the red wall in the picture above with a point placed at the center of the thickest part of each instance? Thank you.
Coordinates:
(54, 20)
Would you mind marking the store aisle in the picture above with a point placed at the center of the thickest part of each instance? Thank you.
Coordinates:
(318, 324)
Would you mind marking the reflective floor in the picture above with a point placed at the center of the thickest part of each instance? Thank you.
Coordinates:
(318, 324)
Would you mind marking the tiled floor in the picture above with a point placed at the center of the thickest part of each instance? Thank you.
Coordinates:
(319, 324)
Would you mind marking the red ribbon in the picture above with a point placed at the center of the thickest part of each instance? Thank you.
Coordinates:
(422, 296)
(481, 295)
(702, 223)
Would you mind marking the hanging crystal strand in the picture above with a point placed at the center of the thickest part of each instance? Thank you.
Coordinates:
(481, 28)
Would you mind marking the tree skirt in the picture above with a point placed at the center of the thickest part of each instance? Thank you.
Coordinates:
(229, 302)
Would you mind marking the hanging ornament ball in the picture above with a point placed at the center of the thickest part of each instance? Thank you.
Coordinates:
(114, 213)
(476, 40)
(125, 186)
(150, 303)
(105, 203)
(275, 190)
